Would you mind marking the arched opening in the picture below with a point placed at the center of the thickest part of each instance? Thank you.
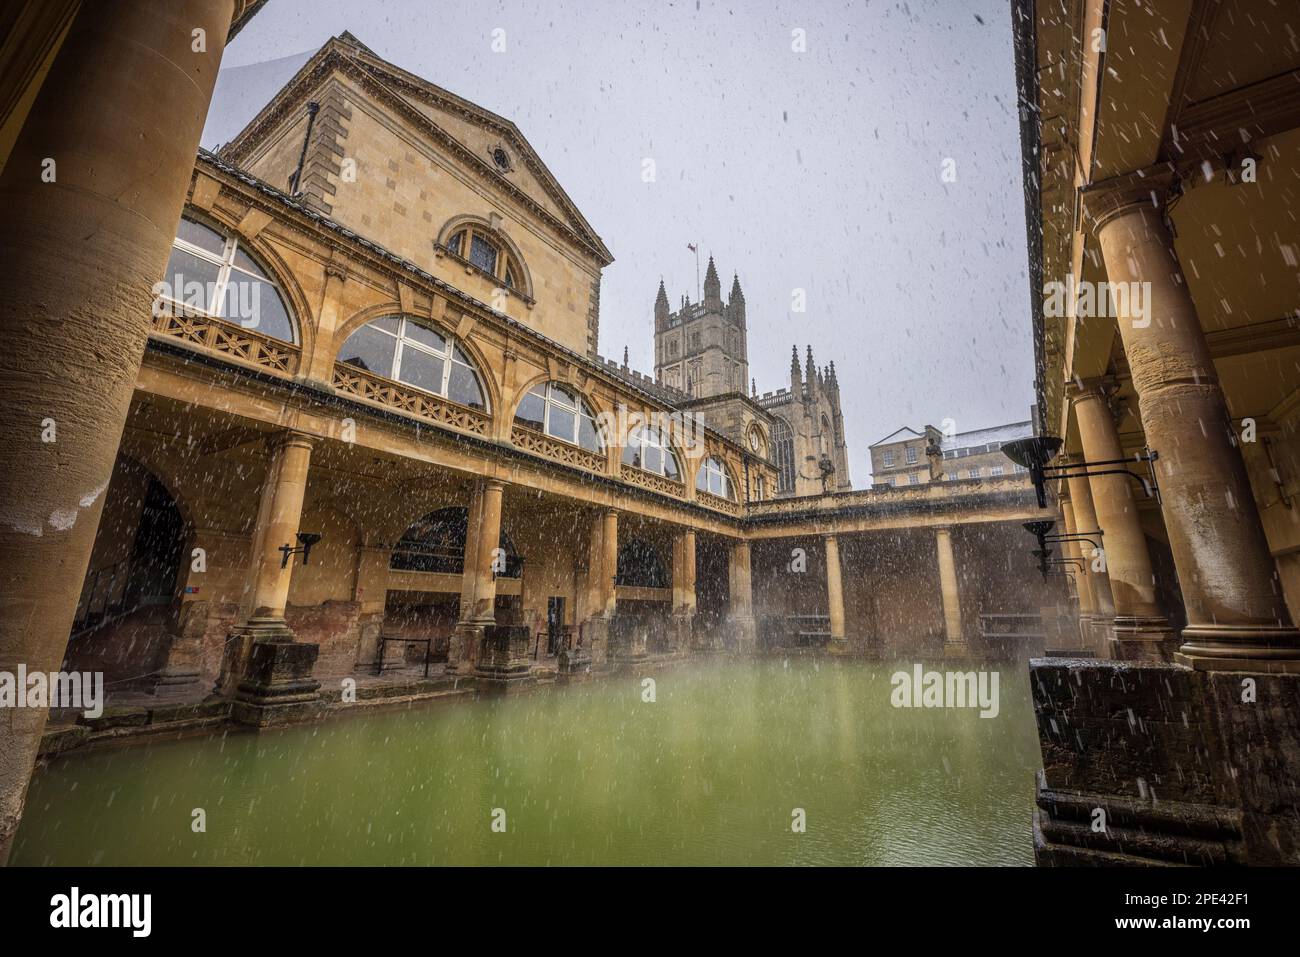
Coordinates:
(413, 352)
(120, 625)
(212, 273)
(640, 566)
(436, 543)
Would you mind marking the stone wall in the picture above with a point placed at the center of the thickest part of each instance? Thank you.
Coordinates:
(1188, 767)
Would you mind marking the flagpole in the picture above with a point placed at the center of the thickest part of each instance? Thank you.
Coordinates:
(697, 272)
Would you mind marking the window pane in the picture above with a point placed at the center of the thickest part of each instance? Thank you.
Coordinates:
(199, 235)
(654, 459)
(242, 261)
(463, 387)
(632, 453)
(483, 254)
(715, 482)
(191, 280)
(255, 304)
(421, 370)
(563, 397)
(531, 410)
(702, 479)
(587, 436)
(562, 423)
(370, 349)
(456, 242)
(386, 323)
(670, 465)
(425, 336)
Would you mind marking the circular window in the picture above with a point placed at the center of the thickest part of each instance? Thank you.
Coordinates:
(501, 158)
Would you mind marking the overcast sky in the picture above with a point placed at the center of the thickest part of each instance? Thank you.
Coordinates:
(818, 170)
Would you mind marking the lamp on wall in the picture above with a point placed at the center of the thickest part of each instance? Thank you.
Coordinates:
(305, 541)
(1035, 452)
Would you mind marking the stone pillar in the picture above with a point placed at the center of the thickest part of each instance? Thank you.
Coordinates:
(119, 114)
(1236, 615)
(683, 588)
(954, 638)
(371, 592)
(602, 566)
(268, 672)
(835, 595)
(742, 599)
(1085, 520)
(1141, 631)
(1076, 552)
(479, 587)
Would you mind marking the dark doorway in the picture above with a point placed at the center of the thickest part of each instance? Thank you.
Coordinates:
(554, 625)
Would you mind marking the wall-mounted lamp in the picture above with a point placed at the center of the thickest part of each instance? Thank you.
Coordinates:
(305, 541)
(1041, 530)
(1036, 451)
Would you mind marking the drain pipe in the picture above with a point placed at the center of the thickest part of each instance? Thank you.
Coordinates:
(312, 109)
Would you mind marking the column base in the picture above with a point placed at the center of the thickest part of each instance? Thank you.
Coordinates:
(744, 633)
(1240, 648)
(837, 645)
(627, 641)
(595, 640)
(502, 666)
(466, 639)
(276, 686)
(683, 630)
(1142, 639)
(574, 666)
(956, 648)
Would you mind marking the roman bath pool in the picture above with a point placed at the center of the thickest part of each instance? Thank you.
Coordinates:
(710, 772)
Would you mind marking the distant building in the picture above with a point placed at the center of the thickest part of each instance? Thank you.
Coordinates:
(702, 366)
(911, 457)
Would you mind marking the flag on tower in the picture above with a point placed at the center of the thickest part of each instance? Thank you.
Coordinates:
(692, 247)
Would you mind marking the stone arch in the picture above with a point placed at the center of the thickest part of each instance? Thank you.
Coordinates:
(301, 315)
(459, 222)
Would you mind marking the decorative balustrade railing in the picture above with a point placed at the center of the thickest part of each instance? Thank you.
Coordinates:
(228, 338)
(403, 398)
(562, 452)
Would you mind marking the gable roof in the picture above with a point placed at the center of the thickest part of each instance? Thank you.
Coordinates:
(897, 437)
(429, 108)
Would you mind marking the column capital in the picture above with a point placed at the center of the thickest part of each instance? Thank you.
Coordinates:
(290, 438)
(1151, 188)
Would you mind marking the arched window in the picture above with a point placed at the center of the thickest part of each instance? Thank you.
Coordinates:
(639, 566)
(648, 449)
(783, 455)
(403, 349)
(483, 248)
(436, 543)
(713, 478)
(561, 413)
(213, 274)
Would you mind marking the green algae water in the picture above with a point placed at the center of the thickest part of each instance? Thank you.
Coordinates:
(711, 772)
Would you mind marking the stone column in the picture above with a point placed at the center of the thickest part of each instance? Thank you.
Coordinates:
(371, 592)
(1141, 631)
(479, 588)
(742, 599)
(268, 672)
(1236, 616)
(954, 638)
(1075, 552)
(602, 566)
(835, 594)
(119, 116)
(683, 588)
(1085, 520)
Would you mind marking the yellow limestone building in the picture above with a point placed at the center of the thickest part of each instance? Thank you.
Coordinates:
(404, 365)
(345, 413)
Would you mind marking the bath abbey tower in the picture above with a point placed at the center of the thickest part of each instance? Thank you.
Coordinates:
(701, 352)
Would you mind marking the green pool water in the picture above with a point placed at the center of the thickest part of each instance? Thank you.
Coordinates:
(708, 773)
